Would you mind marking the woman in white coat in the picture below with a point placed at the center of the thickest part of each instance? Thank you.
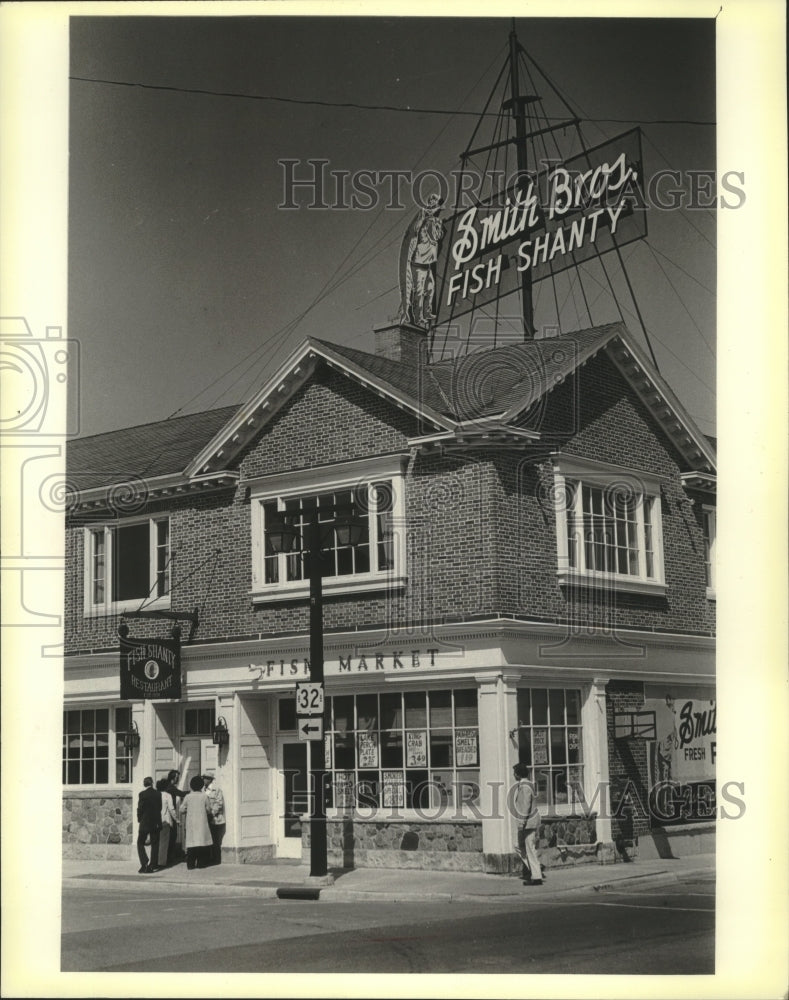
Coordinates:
(195, 810)
(169, 820)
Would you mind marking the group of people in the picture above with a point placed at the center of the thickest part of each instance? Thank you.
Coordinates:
(200, 812)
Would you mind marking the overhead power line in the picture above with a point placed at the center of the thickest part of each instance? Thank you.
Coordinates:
(361, 107)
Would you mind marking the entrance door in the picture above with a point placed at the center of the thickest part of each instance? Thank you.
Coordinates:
(190, 761)
(293, 798)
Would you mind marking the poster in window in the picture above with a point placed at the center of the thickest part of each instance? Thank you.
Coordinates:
(572, 739)
(367, 750)
(466, 747)
(540, 742)
(343, 789)
(393, 788)
(327, 752)
(416, 749)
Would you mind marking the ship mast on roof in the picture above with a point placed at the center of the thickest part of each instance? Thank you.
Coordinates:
(527, 221)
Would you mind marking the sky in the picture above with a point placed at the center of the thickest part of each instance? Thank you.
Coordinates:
(188, 284)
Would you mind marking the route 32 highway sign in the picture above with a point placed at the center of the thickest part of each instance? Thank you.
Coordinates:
(309, 698)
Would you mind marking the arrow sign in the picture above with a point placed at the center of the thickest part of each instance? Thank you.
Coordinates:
(310, 729)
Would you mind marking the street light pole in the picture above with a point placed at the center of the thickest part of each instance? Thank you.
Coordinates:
(318, 840)
(282, 536)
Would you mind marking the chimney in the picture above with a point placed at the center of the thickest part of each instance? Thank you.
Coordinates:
(402, 342)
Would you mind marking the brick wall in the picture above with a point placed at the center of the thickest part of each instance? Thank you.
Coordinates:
(628, 769)
(481, 536)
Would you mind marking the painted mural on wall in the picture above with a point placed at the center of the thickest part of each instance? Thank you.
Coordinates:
(682, 757)
(686, 733)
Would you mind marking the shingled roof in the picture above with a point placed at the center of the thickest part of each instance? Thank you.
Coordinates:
(145, 451)
(478, 390)
(486, 382)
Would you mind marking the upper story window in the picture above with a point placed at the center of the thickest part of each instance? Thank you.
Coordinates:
(709, 527)
(372, 492)
(127, 563)
(93, 746)
(608, 526)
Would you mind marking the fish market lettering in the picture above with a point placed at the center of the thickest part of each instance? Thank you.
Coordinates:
(351, 663)
(398, 660)
(695, 725)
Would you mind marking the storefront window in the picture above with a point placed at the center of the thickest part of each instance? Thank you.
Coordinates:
(409, 750)
(550, 741)
(93, 750)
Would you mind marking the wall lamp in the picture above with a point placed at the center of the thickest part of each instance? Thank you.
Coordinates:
(131, 740)
(221, 733)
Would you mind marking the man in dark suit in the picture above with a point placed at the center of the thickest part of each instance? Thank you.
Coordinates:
(149, 816)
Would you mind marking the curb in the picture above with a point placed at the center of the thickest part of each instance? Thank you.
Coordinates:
(204, 888)
(653, 878)
(307, 890)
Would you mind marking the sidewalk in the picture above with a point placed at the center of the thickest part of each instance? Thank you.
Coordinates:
(375, 884)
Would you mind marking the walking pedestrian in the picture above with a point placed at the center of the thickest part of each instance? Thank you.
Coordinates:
(195, 810)
(529, 823)
(149, 816)
(168, 822)
(217, 818)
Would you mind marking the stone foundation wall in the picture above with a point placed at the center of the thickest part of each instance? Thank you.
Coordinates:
(98, 824)
(355, 843)
(563, 841)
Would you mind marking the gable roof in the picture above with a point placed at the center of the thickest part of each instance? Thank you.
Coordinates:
(484, 391)
(146, 451)
(503, 381)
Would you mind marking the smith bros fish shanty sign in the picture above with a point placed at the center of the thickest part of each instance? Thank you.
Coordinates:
(542, 224)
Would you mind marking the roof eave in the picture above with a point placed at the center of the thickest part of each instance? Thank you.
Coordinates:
(148, 490)
(290, 376)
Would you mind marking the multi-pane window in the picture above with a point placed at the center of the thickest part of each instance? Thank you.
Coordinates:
(128, 563)
(550, 741)
(198, 721)
(93, 746)
(371, 556)
(403, 749)
(708, 516)
(610, 531)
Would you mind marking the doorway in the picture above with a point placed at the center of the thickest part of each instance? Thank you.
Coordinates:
(293, 804)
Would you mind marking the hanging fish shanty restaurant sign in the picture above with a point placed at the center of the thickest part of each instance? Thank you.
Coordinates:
(543, 224)
(150, 668)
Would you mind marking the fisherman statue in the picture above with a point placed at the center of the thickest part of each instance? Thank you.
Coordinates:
(418, 257)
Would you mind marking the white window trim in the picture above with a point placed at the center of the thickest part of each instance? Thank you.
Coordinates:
(108, 606)
(600, 475)
(710, 512)
(328, 479)
(111, 786)
(562, 809)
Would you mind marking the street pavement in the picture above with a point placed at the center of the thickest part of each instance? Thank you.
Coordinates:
(292, 880)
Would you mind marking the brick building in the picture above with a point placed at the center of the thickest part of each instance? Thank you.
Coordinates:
(534, 581)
